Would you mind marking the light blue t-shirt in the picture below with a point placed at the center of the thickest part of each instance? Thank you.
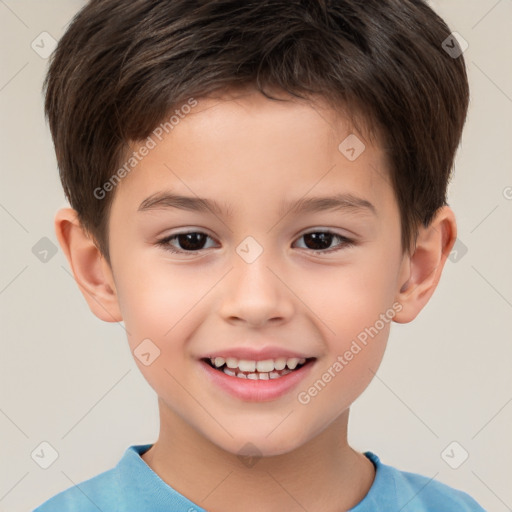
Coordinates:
(132, 486)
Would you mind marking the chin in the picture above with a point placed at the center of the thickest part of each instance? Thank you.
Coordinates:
(260, 444)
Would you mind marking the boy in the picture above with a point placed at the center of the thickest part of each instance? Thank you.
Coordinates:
(210, 150)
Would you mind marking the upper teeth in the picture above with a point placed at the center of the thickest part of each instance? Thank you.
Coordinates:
(268, 365)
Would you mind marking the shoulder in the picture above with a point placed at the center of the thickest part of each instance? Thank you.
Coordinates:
(97, 493)
(412, 492)
(130, 486)
(435, 495)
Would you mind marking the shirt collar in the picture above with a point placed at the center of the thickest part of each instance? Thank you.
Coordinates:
(145, 487)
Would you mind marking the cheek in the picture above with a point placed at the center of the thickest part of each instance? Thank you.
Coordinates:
(154, 296)
(355, 306)
(157, 303)
(345, 372)
(348, 300)
(337, 385)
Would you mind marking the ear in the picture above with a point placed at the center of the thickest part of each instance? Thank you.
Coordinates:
(422, 269)
(90, 269)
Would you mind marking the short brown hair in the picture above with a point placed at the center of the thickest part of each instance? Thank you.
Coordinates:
(122, 66)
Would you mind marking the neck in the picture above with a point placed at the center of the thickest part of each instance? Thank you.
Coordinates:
(324, 474)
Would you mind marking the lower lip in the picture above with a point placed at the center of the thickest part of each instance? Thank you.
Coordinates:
(257, 390)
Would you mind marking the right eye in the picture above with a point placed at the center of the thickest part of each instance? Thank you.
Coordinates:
(190, 242)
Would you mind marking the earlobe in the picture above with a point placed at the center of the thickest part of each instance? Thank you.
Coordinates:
(90, 270)
(424, 266)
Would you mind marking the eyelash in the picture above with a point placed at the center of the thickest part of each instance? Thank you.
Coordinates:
(345, 242)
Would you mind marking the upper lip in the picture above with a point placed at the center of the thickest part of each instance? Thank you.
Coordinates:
(253, 354)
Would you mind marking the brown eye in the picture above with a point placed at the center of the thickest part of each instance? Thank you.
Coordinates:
(191, 242)
(320, 241)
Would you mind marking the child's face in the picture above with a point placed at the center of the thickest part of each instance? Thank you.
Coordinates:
(253, 156)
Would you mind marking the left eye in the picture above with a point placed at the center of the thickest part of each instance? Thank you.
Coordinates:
(194, 241)
(319, 241)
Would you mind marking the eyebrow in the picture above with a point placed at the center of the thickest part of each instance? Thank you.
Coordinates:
(338, 202)
(164, 200)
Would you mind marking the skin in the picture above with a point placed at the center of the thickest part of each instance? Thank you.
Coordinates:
(249, 153)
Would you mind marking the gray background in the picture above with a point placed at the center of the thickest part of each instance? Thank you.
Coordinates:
(69, 379)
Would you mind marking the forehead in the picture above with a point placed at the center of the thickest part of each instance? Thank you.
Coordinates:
(242, 142)
(243, 113)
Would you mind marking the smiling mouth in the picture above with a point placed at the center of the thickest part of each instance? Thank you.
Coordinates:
(268, 369)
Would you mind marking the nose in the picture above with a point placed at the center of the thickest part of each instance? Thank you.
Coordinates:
(255, 294)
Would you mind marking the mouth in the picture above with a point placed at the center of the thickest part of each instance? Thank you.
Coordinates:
(268, 369)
